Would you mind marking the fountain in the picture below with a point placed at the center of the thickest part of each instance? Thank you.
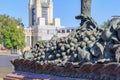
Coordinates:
(89, 52)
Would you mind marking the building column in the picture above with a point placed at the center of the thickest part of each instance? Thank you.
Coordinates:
(38, 10)
(30, 13)
(50, 12)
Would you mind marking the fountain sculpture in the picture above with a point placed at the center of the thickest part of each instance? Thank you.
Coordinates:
(88, 52)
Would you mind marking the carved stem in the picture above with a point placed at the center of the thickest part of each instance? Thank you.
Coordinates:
(86, 7)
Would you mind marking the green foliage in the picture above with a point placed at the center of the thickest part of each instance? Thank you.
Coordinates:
(51, 24)
(12, 36)
(41, 41)
(105, 24)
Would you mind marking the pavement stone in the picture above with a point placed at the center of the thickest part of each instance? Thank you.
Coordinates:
(5, 65)
(1, 78)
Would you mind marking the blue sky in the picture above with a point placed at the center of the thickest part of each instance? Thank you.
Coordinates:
(64, 9)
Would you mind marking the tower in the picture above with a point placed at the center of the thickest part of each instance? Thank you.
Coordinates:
(30, 12)
(38, 10)
(42, 25)
(50, 12)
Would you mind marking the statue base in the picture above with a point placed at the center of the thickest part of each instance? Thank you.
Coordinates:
(69, 71)
(32, 76)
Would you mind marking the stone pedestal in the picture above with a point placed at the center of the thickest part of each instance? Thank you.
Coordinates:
(32, 76)
(25, 76)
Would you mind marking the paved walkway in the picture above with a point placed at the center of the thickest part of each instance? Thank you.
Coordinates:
(5, 59)
(1, 78)
(5, 70)
(5, 65)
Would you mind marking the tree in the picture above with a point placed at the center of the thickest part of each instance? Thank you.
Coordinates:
(40, 41)
(11, 35)
(105, 24)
